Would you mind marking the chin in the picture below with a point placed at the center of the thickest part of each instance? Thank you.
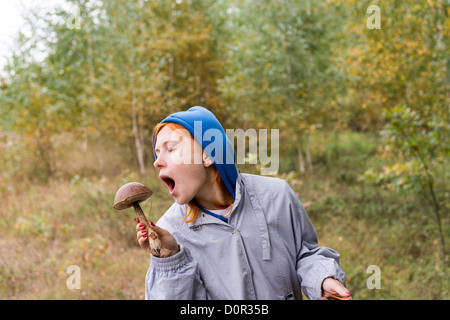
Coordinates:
(182, 201)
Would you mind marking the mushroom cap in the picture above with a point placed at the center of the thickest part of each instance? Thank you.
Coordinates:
(130, 193)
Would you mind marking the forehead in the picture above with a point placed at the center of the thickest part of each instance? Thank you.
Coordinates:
(167, 134)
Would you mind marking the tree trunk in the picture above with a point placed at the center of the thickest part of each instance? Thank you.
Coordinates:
(45, 148)
(137, 136)
(198, 82)
(308, 154)
(100, 158)
(301, 162)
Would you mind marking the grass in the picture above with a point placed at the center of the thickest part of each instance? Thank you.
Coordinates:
(368, 225)
(47, 227)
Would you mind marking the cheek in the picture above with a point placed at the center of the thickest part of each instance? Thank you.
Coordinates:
(193, 153)
(192, 178)
(190, 181)
(193, 173)
(187, 154)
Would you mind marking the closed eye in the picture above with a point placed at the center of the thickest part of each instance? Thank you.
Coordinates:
(167, 145)
(172, 146)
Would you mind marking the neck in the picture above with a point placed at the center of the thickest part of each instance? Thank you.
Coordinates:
(211, 194)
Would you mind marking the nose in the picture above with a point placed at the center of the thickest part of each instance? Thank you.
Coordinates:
(159, 163)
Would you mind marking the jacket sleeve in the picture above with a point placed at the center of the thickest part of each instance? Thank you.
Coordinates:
(314, 263)
(174, 278)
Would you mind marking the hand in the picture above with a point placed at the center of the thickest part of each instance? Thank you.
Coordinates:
(169, 245)
(333, 289)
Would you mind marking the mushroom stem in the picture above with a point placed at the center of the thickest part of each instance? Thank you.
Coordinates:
(140, 214)
(155, 243)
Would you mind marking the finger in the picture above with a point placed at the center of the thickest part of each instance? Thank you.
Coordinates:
(140, 226)
(341, 290)
(143, 241)
(335, 289)
(347, 293)
(160, 231)
(142, 233)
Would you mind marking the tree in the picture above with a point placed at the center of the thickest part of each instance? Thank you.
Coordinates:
(421, 152)
(166, 56)
(112, 70)
(405, 62)
(283, 75)
(31, 103)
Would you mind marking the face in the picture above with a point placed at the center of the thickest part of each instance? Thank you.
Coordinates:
(180, 160)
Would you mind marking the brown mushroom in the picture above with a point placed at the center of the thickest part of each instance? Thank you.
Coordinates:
(130, 195)
(336, 297)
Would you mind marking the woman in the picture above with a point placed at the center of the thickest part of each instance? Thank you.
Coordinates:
(229, 235)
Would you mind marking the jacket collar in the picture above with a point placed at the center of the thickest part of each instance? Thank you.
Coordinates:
(241, 188)
(255, 200)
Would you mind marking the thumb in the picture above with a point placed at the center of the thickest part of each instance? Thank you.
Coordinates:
(160, 231)
(342, 291)
(333, 286)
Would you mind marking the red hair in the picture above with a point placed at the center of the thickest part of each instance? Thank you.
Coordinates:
(193, 208)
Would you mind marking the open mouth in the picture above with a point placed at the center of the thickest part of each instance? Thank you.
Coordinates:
(170, 183)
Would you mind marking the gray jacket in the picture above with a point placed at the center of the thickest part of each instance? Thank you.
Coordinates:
(267, 250)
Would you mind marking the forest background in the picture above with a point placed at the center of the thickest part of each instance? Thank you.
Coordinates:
(359, 91)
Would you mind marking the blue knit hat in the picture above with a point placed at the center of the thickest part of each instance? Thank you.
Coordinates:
(208, 131)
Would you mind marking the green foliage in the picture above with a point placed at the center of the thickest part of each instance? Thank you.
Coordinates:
(422, 151)
(411, 133)
(405, 62)
(366, 111)
(424, 146)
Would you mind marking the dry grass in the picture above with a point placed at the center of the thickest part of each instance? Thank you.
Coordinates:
(46, 228)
